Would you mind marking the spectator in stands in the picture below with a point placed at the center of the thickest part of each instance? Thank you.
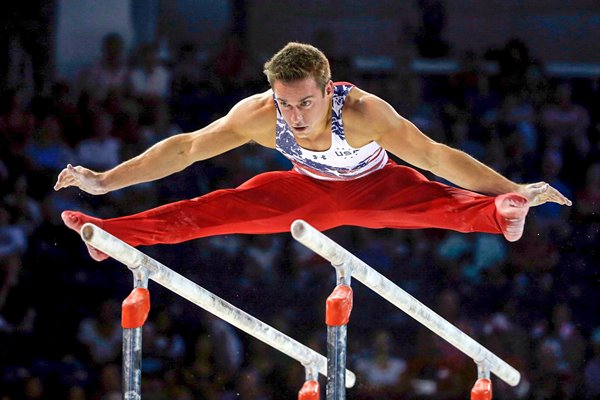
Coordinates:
(47, 149)
(429, 39)
(190, 102)
(517, 114)
(109, 385)
(150, 80)
(466, 82)
(514, 62)
(588, 197)
(64, 104)
(591, 374)
(250, 385)
(101, 333)
(175, 388)
(150, 83)
(20, 69)
(34, 389)
(573, 347)
(382, 373)
(229, 64)
(262, 268)
(163, 345)
(548, 377)
(436, 360)
(188, 71)
(4, 177)
(101, 149)
(537, 84)
(200, 374)
(228, 348)
(537, 254)
(110, 73)
(558, 356)
(17, 315)
(26, 210)
(13, 239)
(326, 40)
(126, 117)
(16, 121)
(509, 340)
(155, 124)
(76, 393)
(566, 125)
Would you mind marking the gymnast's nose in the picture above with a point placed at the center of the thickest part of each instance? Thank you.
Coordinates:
(296, 117)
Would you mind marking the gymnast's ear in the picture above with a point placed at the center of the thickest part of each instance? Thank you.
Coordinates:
(329, 88)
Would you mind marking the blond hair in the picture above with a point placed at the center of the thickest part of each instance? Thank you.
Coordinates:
(298, 61)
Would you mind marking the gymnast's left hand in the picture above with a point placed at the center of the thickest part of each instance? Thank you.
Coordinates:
(85, 179)
(541, 192)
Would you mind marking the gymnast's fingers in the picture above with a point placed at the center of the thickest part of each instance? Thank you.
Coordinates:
(65, 178)
(557, 197)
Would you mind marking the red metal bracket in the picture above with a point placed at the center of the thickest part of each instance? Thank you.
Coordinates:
(135, 308)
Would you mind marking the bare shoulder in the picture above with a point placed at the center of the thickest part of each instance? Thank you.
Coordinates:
(367, 116)
(255, 117)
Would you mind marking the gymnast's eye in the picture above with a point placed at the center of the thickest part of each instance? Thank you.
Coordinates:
(305, 103)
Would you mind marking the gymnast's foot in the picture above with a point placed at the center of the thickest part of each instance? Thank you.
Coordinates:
(75, 220)
(512, 209)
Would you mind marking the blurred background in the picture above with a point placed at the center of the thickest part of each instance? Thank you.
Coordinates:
(515, 83)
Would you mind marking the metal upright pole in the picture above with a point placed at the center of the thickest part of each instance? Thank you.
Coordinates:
(339, 306)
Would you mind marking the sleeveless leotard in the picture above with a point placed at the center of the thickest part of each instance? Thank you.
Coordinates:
(341, 161)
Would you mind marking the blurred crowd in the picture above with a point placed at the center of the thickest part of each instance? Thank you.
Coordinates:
(534, 302)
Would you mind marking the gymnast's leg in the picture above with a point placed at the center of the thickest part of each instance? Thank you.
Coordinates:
(401, 197)
(267, 203)
(394, 197)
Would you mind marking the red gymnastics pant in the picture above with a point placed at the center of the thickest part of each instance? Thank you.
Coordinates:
(393, 197)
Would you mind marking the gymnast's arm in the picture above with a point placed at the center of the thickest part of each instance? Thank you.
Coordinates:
(252, 119)
(403, 139)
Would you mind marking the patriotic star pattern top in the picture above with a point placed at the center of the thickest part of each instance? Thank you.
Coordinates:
(341, 161)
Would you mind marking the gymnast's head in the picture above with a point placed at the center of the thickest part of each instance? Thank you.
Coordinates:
(296, 62)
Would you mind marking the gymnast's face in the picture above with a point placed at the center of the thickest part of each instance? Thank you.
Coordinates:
(304, 106)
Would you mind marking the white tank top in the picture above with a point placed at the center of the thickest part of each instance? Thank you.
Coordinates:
(341, 161)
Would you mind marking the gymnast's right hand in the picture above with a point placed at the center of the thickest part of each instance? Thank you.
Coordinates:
(85, 179)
